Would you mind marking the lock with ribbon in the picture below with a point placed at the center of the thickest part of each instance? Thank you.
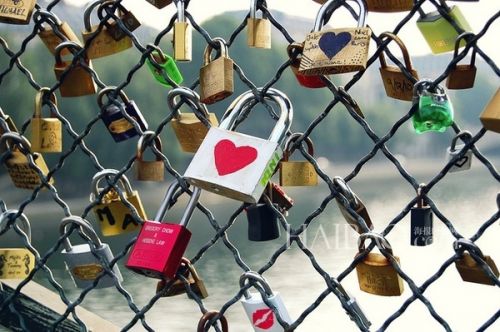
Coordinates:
(216, 76)
(183, 34)
(16, 12)
(258, 29)
(389, 6)
(294, 51)
(178, 287)
(462, 76)
(490, 117)
(263, 222)
(463, 163)
(421, 221)
(207, 317)
(297, 173)
(125, 17)
(6, 125)
(46, 133)
(54, 31)
(469, 265)
(153, 170)
(163, 67)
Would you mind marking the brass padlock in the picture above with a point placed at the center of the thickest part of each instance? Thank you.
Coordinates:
(160, 3)
(6, 125)
(54, 31)
(178, 287)
(396, 84)
(16, 11)
(183, 35)
(129, 21)
(153, 170)
(470, 270)
(389, 6)
(46, 133)
(190, 128)
(77, 80)
(297, 173)
(490, 118)
(258, 29)
(462, 76)
(375, 273)
(216, 76)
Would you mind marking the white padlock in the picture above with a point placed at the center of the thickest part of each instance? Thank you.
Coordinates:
(465, 162)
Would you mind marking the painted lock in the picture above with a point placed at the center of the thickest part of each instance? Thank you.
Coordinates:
(421, 221)
(297, 173)
(54, 31)
(464, 162)
(490, 117)
(462, 76)
(469, 266)
(46, 133)
(207, 317)
(216, 75)
(125, 18)
(237, 165)
(190, 128)
(336, 51)
(194, 281)
(149, 170)
(81, 261)
(163, 67)
(258, 29)
(389, 6)
(294, 51)
(16, 12)
(114, 216)
(183, 35)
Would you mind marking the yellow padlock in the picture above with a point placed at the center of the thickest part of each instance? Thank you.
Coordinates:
(297, 173)
(183, 35)
(46, 133)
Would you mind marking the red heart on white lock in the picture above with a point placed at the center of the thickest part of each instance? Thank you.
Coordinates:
(229, 158)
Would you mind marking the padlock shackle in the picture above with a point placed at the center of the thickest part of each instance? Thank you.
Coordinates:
(294, 51)
(463, 244)
(181, 15)
(200, 109)
(380, 241)
(420, 198)
(141, 144)
(24, 227)
(402, 46)
(292, 139)
(332, 5)
(463, 134)
(166, 204)
(109, 172)
(208, 50)
(85, 227)
(87, 22)
(106, 91)
(39, 102)
(19, 140)
(253, 8)
(42, 15)
(346, 191)
(72, 46)
(162, 56)
(424, 85)
(105, 7)
(257, 278)
(465, 35)
(209, 315)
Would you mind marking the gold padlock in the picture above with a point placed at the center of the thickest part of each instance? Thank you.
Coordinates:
(490, 118)
(467, 266)
(54, 31)
(462, 76)
(183, 35)
(6, 125)
(258, 29)
(153, 170)
(178, 287)
(375, 273)
(46, 133)
(114, 215)
(389, 6)
(160, 3)
(190, 128)
(396, 84)
(297, 173)
(78, 80)
(16, 12)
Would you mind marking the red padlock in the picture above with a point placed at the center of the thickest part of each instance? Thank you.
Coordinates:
(159, 248)
(294, 51)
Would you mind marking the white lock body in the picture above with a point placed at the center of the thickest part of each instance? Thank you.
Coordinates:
(261, 316)
(461, 164)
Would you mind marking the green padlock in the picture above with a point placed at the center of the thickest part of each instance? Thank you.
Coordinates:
(167, 63)
(435, 111)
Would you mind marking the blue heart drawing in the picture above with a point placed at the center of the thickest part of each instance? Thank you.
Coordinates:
(331, 44)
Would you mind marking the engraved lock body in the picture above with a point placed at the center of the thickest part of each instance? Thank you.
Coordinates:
(6, 125)
(421, 222)
(258, 29)
(297, 173)
(468, 266)
(216, 76)
(435, 110)
(149, 170)
(236, 165)
(396, 84)
(207, 317)
(125, 17)
(389, 6)
(309, 81)
(80, 261)
(159, 247)
(463, 163)
(462, 76)
(183, 35)
(178, 287)
(54, 31)
(490, 117)
(16, 12)
(111, 212)
(46, 133)
(263, 222)
(163, 67)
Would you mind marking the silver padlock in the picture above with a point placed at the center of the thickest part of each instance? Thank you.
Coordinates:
(465, 162)
(83, 266)
(353, 309)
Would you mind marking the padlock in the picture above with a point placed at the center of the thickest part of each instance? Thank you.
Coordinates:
(440, 34)
(153, 170)
(18, 165)
(236, 165)
(336, 51)
(46, 133)
(114, 216)
(263, 222)
(80, 261)
(75, 80)
(435, 110)
(207, 317)
(102, 43)
(190, 128)
(389, 6)
(54, 31)
(468, 266)
(294, 51)
(490, 117)
(279, 197)
(258, 29)
(183, 35)
(16, 11)
(375, 273)
(115, 115)
(421, 233)
(159, 248)
(352, 308)
(129, 21)
(167, 71)
(462, 76)
(178, 287)
(465, 161)
(396, 84)
(355, 203)
(160, 3)
(6, 125)
(216, 76)
(16, 263)
(297, 173)
(262, 317)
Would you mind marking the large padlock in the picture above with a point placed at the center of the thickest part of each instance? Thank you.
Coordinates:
(261, 316)
(6, 125)
(258, 29)
(75, 79)
(113, 214)
(117, 116)
(183, 35)
(54, 31)
(216, 76)
(421, 221)
(375, 273)
(440, 34)
(462, 76)
(80, 261)
(129, 21)
(190, 128)
(469, 267)
(297, 173)
(294, 51)
(336, 51)
(159, 247)
(236, 165)
(263, 222)
(160, 3)
(463, 163)
(207, 317)
(16, 11)
(163, 67)
(151, 170)
(389, 6)
(490, 117)
(396, 84)
(435, 110)
(46, 133)
(16, 263)
(355, 204)
(178, 287)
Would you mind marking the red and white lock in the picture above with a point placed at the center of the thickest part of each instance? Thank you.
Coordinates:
(261, 316)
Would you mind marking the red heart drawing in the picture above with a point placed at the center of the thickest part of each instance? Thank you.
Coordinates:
(229, 158)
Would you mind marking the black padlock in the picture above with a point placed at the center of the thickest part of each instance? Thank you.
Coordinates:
(421, 222)
(263, 222)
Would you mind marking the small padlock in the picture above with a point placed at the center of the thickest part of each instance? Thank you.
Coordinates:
(465, 161)
(421, 221)
(46, 133)
(16, 11)
(80, 261)
(375, 273)
(280, 198)
(114, 118)
(153, 170)
(216, 76)
(178, 287)
(435, 110)
(129, 21)
(258, 29)
(389, 6)
(294, 51)
(260, 315)
(396, 84)
(462, 76)
(159, 248)
(16, 263)
(297, 173)
(54, 32)
(114, 216)
(75, 79)
(490, 117)
(207, 317)
(469, 267)
(190, 128)
(183, 35)
(163, 67)
(6, 125)
(263, 222)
